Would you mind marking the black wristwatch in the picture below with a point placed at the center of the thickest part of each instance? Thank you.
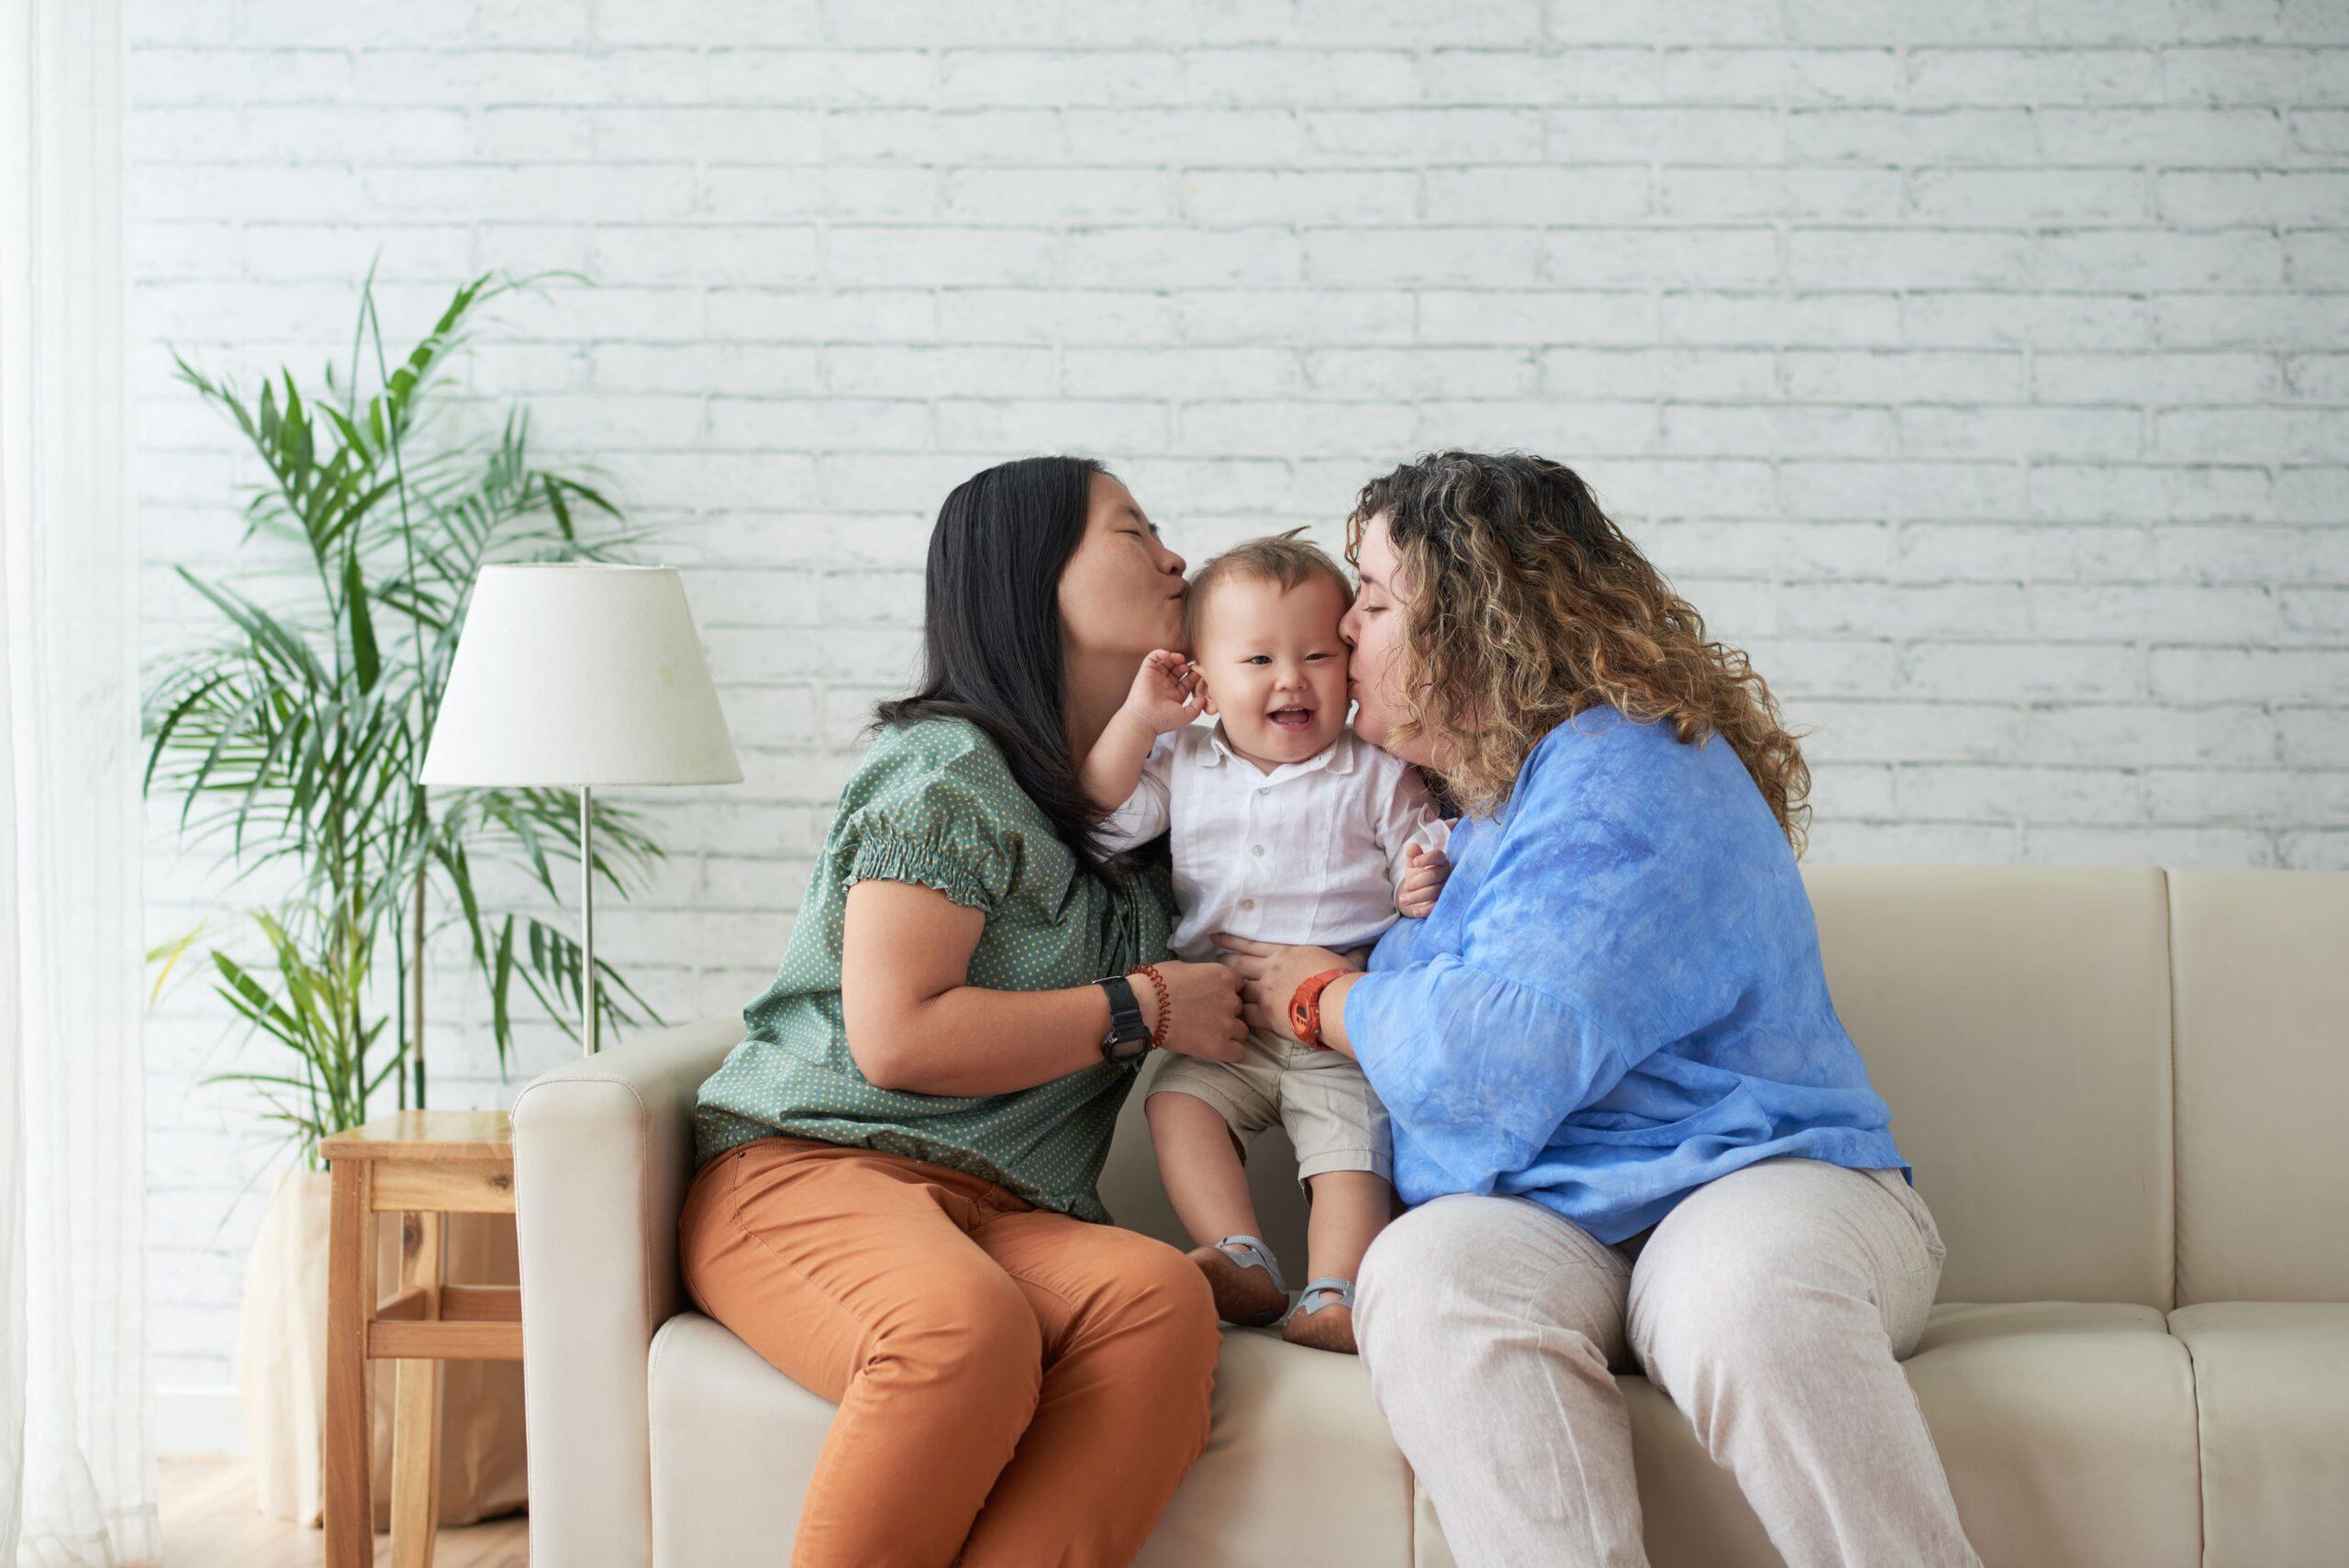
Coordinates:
(1128, 1035)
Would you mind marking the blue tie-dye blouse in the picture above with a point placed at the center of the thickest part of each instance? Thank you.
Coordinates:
(1618, 996)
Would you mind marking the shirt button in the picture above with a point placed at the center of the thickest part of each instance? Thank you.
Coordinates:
(1255, 849)
(1247, 903)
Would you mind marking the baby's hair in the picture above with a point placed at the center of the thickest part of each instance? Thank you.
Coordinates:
(1283, 559)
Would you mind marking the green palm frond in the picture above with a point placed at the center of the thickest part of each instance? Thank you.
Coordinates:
(291, 742)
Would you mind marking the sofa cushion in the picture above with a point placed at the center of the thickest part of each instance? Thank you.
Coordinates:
(2262, 1075)
(734, 1443)
(2066, 1428)
(1300, 1467)
(2271, 1380)
(2067, 1431)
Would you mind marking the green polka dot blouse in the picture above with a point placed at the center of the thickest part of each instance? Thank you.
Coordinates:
(934, 803)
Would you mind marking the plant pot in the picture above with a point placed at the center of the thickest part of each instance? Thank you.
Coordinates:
(282, 1365)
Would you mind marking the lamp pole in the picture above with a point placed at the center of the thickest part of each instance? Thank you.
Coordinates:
(588, 907)
(580, 676)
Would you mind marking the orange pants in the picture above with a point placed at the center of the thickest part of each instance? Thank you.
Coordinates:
(1014, 1384)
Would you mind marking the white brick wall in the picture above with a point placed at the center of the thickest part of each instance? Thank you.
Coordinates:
(1984, 369)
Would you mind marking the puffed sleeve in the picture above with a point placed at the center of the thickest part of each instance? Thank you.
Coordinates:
(1587, 946)
(928, 808)
(1146, 812)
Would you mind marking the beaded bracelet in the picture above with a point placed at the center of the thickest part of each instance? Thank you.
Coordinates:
(1158, 983)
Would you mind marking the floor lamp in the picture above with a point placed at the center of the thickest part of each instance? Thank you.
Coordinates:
(580, 676)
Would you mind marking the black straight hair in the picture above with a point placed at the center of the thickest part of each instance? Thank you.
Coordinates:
(991, 633)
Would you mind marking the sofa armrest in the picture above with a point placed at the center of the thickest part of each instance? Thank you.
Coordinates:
(603, 1153)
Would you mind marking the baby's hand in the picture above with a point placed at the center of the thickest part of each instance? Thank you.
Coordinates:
(1422, 881)
(1168, 692)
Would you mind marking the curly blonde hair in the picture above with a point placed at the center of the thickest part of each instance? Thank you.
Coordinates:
(1529, 606)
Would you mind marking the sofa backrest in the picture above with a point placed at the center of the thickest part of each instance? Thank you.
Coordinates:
(2115, 1084)
(2260, 977)
(2016, 1018)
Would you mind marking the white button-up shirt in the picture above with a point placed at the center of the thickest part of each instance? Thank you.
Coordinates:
(1310, 852)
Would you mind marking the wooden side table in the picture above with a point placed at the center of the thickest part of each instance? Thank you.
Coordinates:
(420, 1166)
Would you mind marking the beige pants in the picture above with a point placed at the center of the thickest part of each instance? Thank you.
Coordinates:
(1771, 1305)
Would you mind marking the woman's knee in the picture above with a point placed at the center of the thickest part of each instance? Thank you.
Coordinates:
(977, 1331)
(1740, 1323)
(1464, 1287)
(1435, 1239)
(1463, 1250)
(1172, 1302)
(1745, 1279)
(1427, 1266)
(1147, 1324)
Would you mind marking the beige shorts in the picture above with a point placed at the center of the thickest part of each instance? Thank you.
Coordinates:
(1320, 1097)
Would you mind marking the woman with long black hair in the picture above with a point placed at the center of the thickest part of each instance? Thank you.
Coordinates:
(893, 1197)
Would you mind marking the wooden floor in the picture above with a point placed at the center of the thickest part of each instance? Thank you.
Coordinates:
(210, 1520)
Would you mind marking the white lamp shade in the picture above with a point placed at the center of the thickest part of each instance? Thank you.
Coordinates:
(576, 675)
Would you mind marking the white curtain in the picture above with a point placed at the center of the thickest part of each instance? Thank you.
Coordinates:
(77, 1468)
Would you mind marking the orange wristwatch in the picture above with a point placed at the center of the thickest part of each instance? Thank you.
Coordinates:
(1305, 1008)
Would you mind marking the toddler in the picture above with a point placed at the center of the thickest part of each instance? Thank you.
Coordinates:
(1285, 827)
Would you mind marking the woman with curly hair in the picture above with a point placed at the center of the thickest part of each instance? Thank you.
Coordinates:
(1633, 1133)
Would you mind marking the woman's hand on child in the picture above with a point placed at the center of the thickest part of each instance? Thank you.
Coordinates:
(1270, 974)
(1203, 1015)
(1422, 882)
(1168, 692)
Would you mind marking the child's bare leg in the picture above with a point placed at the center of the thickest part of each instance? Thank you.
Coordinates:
(1198, 1159)
(1350, 1209)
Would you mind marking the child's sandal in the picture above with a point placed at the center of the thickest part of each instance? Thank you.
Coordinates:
(1334, 1332)
(1238, 1298)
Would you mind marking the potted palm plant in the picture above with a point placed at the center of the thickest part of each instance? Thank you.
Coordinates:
(291, 742)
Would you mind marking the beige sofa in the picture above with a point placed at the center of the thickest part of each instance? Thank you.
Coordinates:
(2121, 1089)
